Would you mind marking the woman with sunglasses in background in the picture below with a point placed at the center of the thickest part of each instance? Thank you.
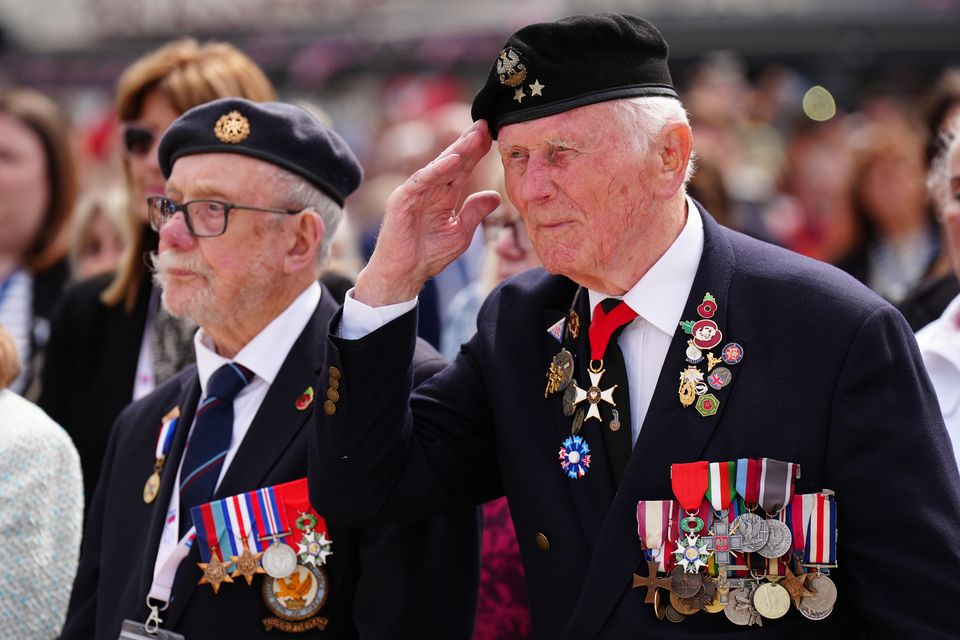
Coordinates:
(37, 192)
(111, 342)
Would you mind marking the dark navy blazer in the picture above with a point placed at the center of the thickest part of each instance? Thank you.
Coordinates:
(831, 380)
(385, 582)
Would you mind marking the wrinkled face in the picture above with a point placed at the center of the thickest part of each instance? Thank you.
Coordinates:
(215, 281)
(24, 186)
(951, 210)
(579, 186)
(156, 115)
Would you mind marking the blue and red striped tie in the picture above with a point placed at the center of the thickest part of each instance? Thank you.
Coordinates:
(210, 439)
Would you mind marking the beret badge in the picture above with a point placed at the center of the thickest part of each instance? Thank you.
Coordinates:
(232, 128)
(510, 69)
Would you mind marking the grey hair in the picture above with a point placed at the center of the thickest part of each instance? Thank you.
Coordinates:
(296, 192)
(938, 178)
(644, 118)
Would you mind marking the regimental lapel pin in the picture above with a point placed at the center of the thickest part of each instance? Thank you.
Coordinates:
(705, 335)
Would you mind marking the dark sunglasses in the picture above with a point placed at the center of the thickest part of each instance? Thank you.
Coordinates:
(138, 139)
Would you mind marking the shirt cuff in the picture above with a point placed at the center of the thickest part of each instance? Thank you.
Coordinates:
(360, 320)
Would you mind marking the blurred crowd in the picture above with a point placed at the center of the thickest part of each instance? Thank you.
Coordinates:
(77, 298)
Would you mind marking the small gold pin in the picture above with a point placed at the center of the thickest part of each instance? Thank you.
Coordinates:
(232, 128)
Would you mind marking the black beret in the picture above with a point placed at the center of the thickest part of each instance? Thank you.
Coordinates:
(278, 133)
(550, 67)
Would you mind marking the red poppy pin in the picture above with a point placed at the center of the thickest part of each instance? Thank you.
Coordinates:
(305, 399)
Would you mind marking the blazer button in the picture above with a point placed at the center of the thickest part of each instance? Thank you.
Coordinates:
(333, 395)
(329, 408)
(334, 383)
(543, 542)
(334, 373)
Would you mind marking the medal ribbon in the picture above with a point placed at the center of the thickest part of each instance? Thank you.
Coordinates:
(689, 481)
(165, 438)
(652, 522)
(822, 531)
(748, 480)
(798, 515)
(723, 484)
(667, 559)
(295, 498)
(604, 324)
(776, 485)
(206, 526)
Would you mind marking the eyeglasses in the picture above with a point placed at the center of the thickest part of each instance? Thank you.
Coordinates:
(204, 218)
(138, 139)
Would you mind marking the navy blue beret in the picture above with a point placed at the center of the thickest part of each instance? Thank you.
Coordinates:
(278, 133)
(550, 67)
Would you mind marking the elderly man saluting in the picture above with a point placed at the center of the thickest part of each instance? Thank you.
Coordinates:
(681, 417)
(201, 526)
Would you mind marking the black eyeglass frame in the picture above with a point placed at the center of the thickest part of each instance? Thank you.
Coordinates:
(154, 209)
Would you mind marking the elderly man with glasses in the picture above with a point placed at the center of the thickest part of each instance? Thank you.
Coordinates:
(200, 526)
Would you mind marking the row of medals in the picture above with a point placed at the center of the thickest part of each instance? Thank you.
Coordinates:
(745, 601)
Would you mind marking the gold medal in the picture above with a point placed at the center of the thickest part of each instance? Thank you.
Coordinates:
(214, 572)
(771, 601)
(247, 564)
(152, 487)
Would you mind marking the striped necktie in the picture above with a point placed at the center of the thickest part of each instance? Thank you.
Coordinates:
(210, 439)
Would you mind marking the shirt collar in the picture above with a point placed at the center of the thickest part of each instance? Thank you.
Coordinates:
(659, 296)
(264, 355)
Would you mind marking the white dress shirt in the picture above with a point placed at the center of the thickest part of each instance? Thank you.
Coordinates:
(658, 297)
(940, 346)
(263, 355)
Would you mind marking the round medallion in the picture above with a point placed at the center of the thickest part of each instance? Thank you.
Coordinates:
(821, 603)
(706, 334)
(673, 615)
(151, 488)
(694, 354)
(279, 560)
(659, 604)
(719, 378)
(685, 606)
(779, 540)
(737, 612)
(754, 530)
(714, 606)
(564, 364)
(732, 353)
(685, 585)
(569, 398)
(771, 601)
(577, 422)
(232, 128)
(299, 596)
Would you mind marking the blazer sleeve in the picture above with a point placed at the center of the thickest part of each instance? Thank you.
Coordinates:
(889, 448)
(371, 463)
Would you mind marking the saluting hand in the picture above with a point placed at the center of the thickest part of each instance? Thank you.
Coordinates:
(422, 232)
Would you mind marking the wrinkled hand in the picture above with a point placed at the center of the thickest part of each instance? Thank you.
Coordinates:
(422, 232)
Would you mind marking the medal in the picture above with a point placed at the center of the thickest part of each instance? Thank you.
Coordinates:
(821, 544)
(819, 605)
(569, 398)
(689, 482)
(573, 322)
(693, 353)
(689, 378)
(779, 540)
(313, 548)
(754, 530)
(577, 422)
(296, 599)
(684, 606)
(247, 564)
(168, 426)
(771, 601)
(575, 457)
(719, 378)
(594, 395)
(214, 571)
(279, 560)
(685, 584)
(651, 582)
(560, 372)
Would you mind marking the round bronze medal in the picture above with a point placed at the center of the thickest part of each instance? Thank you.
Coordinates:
(577, 422)
(771, 601)
(299, 596)
(151, 488)
(673, 615)
(684, 584)
(686, 606)
(659, 604)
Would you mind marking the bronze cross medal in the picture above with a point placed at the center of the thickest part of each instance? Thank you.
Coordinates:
(722, 544)
(651, 581)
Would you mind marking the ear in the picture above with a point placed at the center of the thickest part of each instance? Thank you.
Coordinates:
(675, 144)
(303, 242)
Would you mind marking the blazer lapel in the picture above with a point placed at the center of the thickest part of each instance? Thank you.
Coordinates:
(277, 423)
(187, 402)
(592, 493)
(670, 433)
